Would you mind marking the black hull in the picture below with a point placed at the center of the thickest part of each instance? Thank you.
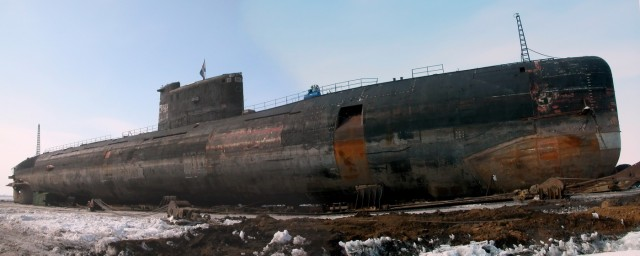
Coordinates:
(433, 137)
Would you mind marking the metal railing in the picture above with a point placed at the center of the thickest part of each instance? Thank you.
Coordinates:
(427, 71)
(134, 132)
(78, 143)
(326, 89)
(142, 130)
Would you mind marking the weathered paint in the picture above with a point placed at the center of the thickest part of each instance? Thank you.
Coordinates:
(245, 139)
(349, 150)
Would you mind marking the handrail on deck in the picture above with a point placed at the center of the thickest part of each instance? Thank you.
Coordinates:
(428, 70)
(133, 132)
(78, 143)
(151, 128)
(326, 89)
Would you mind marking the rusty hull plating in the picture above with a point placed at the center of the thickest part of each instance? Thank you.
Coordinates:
(441, 136)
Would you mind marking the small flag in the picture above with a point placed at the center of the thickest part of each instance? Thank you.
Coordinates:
(203, 70)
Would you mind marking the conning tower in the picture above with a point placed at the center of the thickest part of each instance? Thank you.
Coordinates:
(207, 100)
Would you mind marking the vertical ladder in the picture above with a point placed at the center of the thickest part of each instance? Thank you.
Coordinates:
(38, 143)
(524, 50)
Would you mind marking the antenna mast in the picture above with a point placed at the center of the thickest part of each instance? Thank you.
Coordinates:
(524, 50)
(38, 143)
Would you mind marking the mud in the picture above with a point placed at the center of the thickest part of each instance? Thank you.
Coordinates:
(523, 224)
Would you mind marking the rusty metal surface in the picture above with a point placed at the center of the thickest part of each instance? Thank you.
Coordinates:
(350, 149)
(441, 136)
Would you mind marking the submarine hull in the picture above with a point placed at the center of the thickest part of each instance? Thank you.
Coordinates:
(449, 135)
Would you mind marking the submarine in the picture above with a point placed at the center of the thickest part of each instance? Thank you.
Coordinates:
(439, 136)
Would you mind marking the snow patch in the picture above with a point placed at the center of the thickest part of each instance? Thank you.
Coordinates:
(89, 230)
(281, 237)
(372, 246)
(281, 243)
(229, 222)
(298, 240)
(474, 248)
(298, 252)
(589, 244)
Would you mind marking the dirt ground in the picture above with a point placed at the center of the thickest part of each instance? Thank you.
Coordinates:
(523, 224)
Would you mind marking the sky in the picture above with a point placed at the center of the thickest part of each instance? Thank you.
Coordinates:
(86, 69)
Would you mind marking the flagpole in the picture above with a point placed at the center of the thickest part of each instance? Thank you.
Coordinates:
(203, 70)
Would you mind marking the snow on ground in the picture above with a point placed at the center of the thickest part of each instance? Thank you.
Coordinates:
(465, 207)
(587, 244)
(282, 243)
(58, 228)
(56, 231)
(6, 198)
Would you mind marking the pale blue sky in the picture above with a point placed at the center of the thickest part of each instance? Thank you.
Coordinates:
(86, 69)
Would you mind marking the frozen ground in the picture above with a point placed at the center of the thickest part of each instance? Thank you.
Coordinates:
(627, 245)
(28, 230)
(33, 230)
